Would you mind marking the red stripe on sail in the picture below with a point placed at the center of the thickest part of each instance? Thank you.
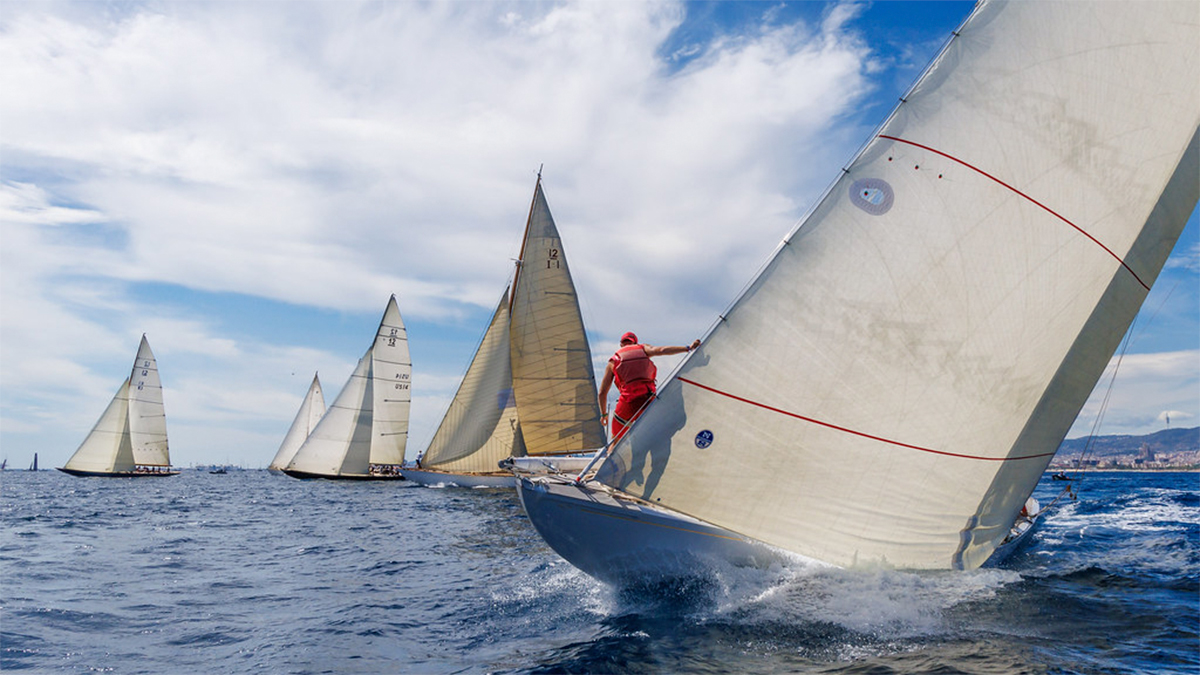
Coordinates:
(857, 433)
(1025, 197)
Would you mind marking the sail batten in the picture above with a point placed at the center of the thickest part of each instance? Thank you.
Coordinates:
(894, 381)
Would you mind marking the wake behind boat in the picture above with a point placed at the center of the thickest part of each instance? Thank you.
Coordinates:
(130, 438)
(363, 434)
(530, 392)
(890, 388)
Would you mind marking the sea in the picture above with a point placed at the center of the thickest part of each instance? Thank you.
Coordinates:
(255, 572)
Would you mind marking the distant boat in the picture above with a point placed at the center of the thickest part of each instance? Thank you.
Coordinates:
(363, 434)
(218, 470)
(529, 395)
(890, 388)
(130, 438)
(33, 467)
(312, 408)
(3, 464)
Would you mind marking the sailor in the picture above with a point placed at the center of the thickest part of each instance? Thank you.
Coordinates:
(633, 371)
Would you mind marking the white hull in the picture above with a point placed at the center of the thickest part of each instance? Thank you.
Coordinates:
(626, 542)
(463, 480)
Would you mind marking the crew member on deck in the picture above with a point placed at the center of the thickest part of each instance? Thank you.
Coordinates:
(634, 373)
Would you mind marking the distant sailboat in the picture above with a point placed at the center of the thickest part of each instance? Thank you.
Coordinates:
(363, 434)
(891, 387)
(312, 408)
(130, 438)
(530, 391)
(33, 467)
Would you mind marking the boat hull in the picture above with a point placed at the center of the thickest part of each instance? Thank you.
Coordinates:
(119, 474)
(628, 542)
(465, 480)
(304, 475)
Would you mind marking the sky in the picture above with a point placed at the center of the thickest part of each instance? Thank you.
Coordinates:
(248, 182)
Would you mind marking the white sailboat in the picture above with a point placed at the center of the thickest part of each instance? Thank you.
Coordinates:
(892, 385)
(130, 438)
(529, 395)
(363, 434)
(312, 408)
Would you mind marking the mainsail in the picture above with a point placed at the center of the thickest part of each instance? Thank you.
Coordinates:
(312, 408)
(132, 431)
(892, 385)
(364, 432)
(553, 380)
(480, 428)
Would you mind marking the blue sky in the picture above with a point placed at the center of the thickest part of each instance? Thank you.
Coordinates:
(248, 182)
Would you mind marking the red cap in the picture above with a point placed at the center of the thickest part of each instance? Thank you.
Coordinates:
(629, 336)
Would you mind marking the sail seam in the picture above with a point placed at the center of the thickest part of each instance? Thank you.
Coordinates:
(1040, 205)
(858, 433)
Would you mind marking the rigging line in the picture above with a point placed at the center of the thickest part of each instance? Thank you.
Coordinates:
(1026, 197)
(859, 433)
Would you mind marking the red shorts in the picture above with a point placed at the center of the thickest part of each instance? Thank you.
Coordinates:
(629, 406)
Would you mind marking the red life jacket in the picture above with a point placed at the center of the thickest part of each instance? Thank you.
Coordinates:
(632, 366)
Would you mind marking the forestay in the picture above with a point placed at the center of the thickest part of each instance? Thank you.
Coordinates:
(892, 385)
(480, 427)
(553, 380)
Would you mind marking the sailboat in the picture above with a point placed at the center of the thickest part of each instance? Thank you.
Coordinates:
(34, 467)
(130, 438)
(890, 387)
(312, 408)
(529, 395)
(363, 434)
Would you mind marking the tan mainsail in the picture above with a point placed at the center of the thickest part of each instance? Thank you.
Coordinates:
(367, 424)
(312, 408)
(893, 384)
(553, 380)
(480, 427)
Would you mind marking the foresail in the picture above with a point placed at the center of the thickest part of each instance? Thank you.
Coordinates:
(391, 372)
(893, 384)
(553, 381)
(312, 408)
(147, 417)
(480, 427)
(107, 448)
(341, 441)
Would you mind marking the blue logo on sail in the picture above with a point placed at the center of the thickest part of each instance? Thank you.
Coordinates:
(704, 439)
(872, 195)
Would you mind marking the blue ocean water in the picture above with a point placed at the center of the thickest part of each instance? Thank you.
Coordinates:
(252, 572)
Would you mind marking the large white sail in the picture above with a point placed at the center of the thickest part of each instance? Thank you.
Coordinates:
(553, 380)
(892, 385)
(480, 427)
(107, 448)
(147, 417)
(367, 424)
(312, 408)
